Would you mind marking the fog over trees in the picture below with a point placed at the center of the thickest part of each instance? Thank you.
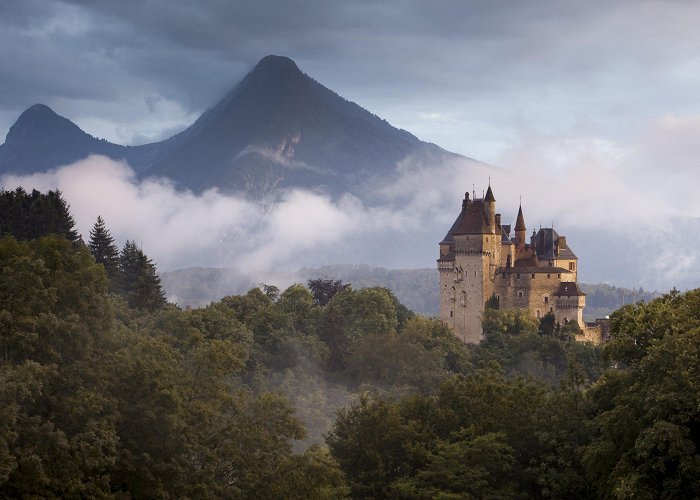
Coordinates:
(320, 390)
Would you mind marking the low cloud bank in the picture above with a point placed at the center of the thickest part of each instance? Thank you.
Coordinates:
(629, 215)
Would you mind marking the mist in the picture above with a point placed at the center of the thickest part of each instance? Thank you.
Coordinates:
(628, 220)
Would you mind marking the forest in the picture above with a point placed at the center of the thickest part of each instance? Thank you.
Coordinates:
(320, 390)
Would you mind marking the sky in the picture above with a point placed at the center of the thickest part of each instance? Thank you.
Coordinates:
(588, 110)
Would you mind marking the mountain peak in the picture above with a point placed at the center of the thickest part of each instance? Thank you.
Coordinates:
(275, 68)
(38, 123)
(276, 63)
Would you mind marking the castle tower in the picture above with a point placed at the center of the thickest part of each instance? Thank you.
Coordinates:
(520, 230)
(469, 255)
(490, 209)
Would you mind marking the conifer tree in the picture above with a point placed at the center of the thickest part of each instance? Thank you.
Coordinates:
(33, 215)
(104, 250)
(139, 282)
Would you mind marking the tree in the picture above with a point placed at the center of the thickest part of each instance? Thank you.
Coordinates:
(492, 302)
(323, 290)
(102, 247)
(648, 410)
(139, 282)
(32, 215)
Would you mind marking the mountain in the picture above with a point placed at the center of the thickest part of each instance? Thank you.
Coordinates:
(277, 128)
(41, 139)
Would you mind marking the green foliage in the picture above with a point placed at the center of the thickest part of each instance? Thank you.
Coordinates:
(101, 400)
(323, 290)
(103, 249)
(648, 413)
(492, 302)
(508, 321)
(464, 466)
(138, 281)
(32, 215)
(550, 354)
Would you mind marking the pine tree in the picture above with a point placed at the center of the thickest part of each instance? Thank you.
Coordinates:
(33, 215)
(138, 281)
(104, 250)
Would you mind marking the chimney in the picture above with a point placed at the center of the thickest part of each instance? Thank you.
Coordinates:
(561, 243)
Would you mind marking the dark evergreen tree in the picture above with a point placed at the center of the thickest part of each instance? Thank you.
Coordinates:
(138, 280)
(104, 250)
(33, 215)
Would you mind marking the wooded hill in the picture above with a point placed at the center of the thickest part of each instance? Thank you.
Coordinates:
(102, 397)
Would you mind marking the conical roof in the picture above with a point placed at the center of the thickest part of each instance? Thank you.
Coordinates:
(520, 223)
(489, 196)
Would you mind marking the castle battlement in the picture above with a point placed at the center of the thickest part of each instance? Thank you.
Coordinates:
(479, 258)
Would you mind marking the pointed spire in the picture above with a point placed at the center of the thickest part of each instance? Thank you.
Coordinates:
(520, 222)
(489, 198)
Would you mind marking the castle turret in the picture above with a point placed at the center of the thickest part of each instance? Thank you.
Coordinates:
(520, 230)
(490, 209)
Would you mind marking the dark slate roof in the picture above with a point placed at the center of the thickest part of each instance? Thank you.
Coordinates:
(471, 220)
(545, 242)
(520, 222)
(489, 195)
(533, 270)
(448, 237)
(569, 289)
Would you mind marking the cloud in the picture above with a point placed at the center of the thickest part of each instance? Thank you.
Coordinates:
(180, 229)
(104, 64)
(628, 208)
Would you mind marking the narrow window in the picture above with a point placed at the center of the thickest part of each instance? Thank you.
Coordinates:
(546, 299)
(533, 276)
(520, 293)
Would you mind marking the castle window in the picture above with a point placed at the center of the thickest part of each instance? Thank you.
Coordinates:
(520, 293)
(551, 309)
(517, 276)
(533, 276)
(504, 276)
(549, 275)
(546, 299)
(450, 314)
(572, 266)
(559, 275)
(538, 314)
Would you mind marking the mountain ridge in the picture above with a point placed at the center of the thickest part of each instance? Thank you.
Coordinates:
(277, 128)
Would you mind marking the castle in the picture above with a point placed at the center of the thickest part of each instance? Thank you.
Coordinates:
(479, 259)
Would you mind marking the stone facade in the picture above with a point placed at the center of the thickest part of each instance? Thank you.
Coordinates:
(479, 259)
